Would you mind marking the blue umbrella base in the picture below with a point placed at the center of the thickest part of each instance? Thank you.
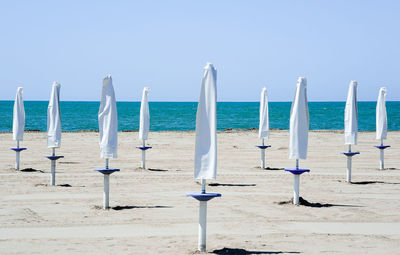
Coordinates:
(53, 157)
(106, 171)
(203, 196)
(18, 149)
(297, 171)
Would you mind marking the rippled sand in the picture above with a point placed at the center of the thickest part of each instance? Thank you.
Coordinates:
(151, 214)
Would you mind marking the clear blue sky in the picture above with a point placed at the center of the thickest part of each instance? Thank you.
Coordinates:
(165, 44)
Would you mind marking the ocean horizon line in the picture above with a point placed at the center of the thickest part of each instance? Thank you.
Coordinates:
(181, 116)
(123, 101)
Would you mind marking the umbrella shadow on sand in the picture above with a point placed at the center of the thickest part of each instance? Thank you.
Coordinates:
(64, 185)
(156, 170)
(30, 170)
(370, 182)
(129, 207)
(68, 162)
(231, 185)
(373, 182)
(304, 202)
(270, 168)
(389, 168)
(236, 251)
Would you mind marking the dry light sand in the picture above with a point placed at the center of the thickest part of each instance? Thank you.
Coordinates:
(156, 217)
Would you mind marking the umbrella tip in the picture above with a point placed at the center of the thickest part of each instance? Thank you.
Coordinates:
(209, 65)
(302, 80)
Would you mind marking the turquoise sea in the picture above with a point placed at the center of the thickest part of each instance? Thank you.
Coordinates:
(77, 116)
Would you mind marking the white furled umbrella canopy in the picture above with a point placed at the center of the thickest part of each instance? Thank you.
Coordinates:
(18, 116)
(350, 115)
(299, 122)
(108, 120)
(205, 158)
(263, 130)
(144, 125)
(54, 118)
(381, 116)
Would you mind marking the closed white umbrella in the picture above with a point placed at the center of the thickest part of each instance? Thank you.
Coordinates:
(381, 116)
(18, 124)
(350, 125)
(350, 115)
(108, 121)
(205, 157)
(381, 125)
(144, 125)
(108, 129)
(144, 116)
(263, 129)
(18, 116)
(299, 122)
(54, 118)
(299, 125)
(54, 128)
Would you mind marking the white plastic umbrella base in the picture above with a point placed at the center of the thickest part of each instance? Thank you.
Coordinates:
(106, 193)
(53, 173)
(202, 226)
(296, 189)
(381, 160)
(348, 179)
(143, 162)
(17, 156)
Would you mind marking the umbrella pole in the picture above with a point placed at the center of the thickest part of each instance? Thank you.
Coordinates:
(296, 186)
(202, 226)
(203, 186)
(348, 179)
(202, 220)
(144, 156)
(17, 157)
(296, 189)
(349, 169)
(263, 156)
(53, 168)
(106, 192)
(381, 161)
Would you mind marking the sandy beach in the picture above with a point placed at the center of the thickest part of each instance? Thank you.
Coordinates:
(151, 214)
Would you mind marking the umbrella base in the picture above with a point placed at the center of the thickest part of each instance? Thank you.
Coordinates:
(296, 171)
(54, 157)
(203, 196)
(350, 153)
(18, 149)
(106, 170)
(143, 148)
(382, 147)
(263, 147)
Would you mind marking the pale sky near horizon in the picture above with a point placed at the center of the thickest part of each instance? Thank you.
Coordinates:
(164, 45)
